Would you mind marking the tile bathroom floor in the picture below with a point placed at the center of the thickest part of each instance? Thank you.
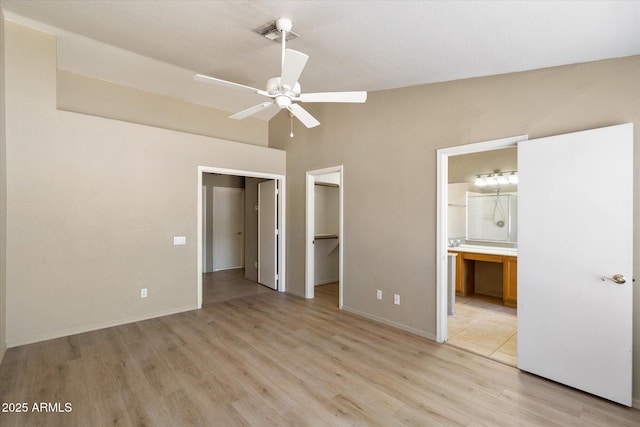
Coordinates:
(485, 326)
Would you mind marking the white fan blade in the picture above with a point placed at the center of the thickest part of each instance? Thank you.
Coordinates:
(334, 97)
(251, 110)
(292, 67)
(303, 115)
(206, 79)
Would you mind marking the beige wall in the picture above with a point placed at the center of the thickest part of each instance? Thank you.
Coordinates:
(388, 149)
(93, 204)
(82, 94)
(3, 202)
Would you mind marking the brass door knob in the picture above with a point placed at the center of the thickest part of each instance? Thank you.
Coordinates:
(617, 278)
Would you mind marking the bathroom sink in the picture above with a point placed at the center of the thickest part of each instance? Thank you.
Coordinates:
(482, 249)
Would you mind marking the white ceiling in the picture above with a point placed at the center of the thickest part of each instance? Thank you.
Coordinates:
(353, 45)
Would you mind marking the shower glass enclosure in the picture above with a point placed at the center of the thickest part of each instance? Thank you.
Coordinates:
(492, 217)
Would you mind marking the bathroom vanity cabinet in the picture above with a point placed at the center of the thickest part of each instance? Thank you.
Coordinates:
(466, 264)
(510, 280)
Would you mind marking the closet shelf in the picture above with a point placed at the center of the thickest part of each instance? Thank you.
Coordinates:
(325, 236)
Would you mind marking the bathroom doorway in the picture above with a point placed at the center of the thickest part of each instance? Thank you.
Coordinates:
(482, 234)
(477, 315)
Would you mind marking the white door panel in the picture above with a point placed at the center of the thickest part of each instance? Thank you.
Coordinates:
(267, 234)
(204, 229)
(228, 228)
(575, 214)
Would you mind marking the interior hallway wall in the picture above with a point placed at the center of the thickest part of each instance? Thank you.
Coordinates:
(388, 149)
(93, 205)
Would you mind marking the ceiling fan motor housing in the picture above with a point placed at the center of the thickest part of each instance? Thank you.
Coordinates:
(274, 88)
(283, 101)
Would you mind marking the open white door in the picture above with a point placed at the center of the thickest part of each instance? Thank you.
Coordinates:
(576, 227)
(268, 234)
(204, 229)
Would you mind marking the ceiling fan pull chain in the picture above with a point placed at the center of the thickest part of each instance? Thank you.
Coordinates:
(291, 118)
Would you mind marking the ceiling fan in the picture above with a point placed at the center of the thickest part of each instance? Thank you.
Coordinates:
(285, 90)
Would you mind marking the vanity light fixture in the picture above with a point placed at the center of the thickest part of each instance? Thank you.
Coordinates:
(491, 179)
(496, 178)
(480, 182)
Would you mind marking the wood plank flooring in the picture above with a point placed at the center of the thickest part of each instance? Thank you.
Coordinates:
(277, 359)
(228, 284)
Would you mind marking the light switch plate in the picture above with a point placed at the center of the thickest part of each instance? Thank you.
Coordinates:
(379, 294)
(179, 240)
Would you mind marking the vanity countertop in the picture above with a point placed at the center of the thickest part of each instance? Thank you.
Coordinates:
(489, 250)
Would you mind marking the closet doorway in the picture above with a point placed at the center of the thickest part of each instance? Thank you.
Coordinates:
(324, 218)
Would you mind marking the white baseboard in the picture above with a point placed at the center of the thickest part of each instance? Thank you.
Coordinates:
(325, 282)
(97, 326)
(225, 268)
(296, 293)
(635, 402)
(391, 323)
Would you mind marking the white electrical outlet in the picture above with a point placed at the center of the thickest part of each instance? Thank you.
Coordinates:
(379, 294)
(179, 240)
(143, 293)
(396, 299)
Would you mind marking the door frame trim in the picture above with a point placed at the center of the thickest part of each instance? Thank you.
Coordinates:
(442, 165)
(310, 234)
(282, 254)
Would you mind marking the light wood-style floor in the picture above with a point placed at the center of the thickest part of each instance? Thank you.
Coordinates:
(228, 284)
(485, 326)
(277, 359)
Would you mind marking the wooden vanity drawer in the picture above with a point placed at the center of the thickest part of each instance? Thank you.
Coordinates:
(482, 257)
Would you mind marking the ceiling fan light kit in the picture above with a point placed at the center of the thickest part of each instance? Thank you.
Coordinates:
(285, 91)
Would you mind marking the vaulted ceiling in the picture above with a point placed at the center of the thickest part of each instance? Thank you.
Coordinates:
(353, 45)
